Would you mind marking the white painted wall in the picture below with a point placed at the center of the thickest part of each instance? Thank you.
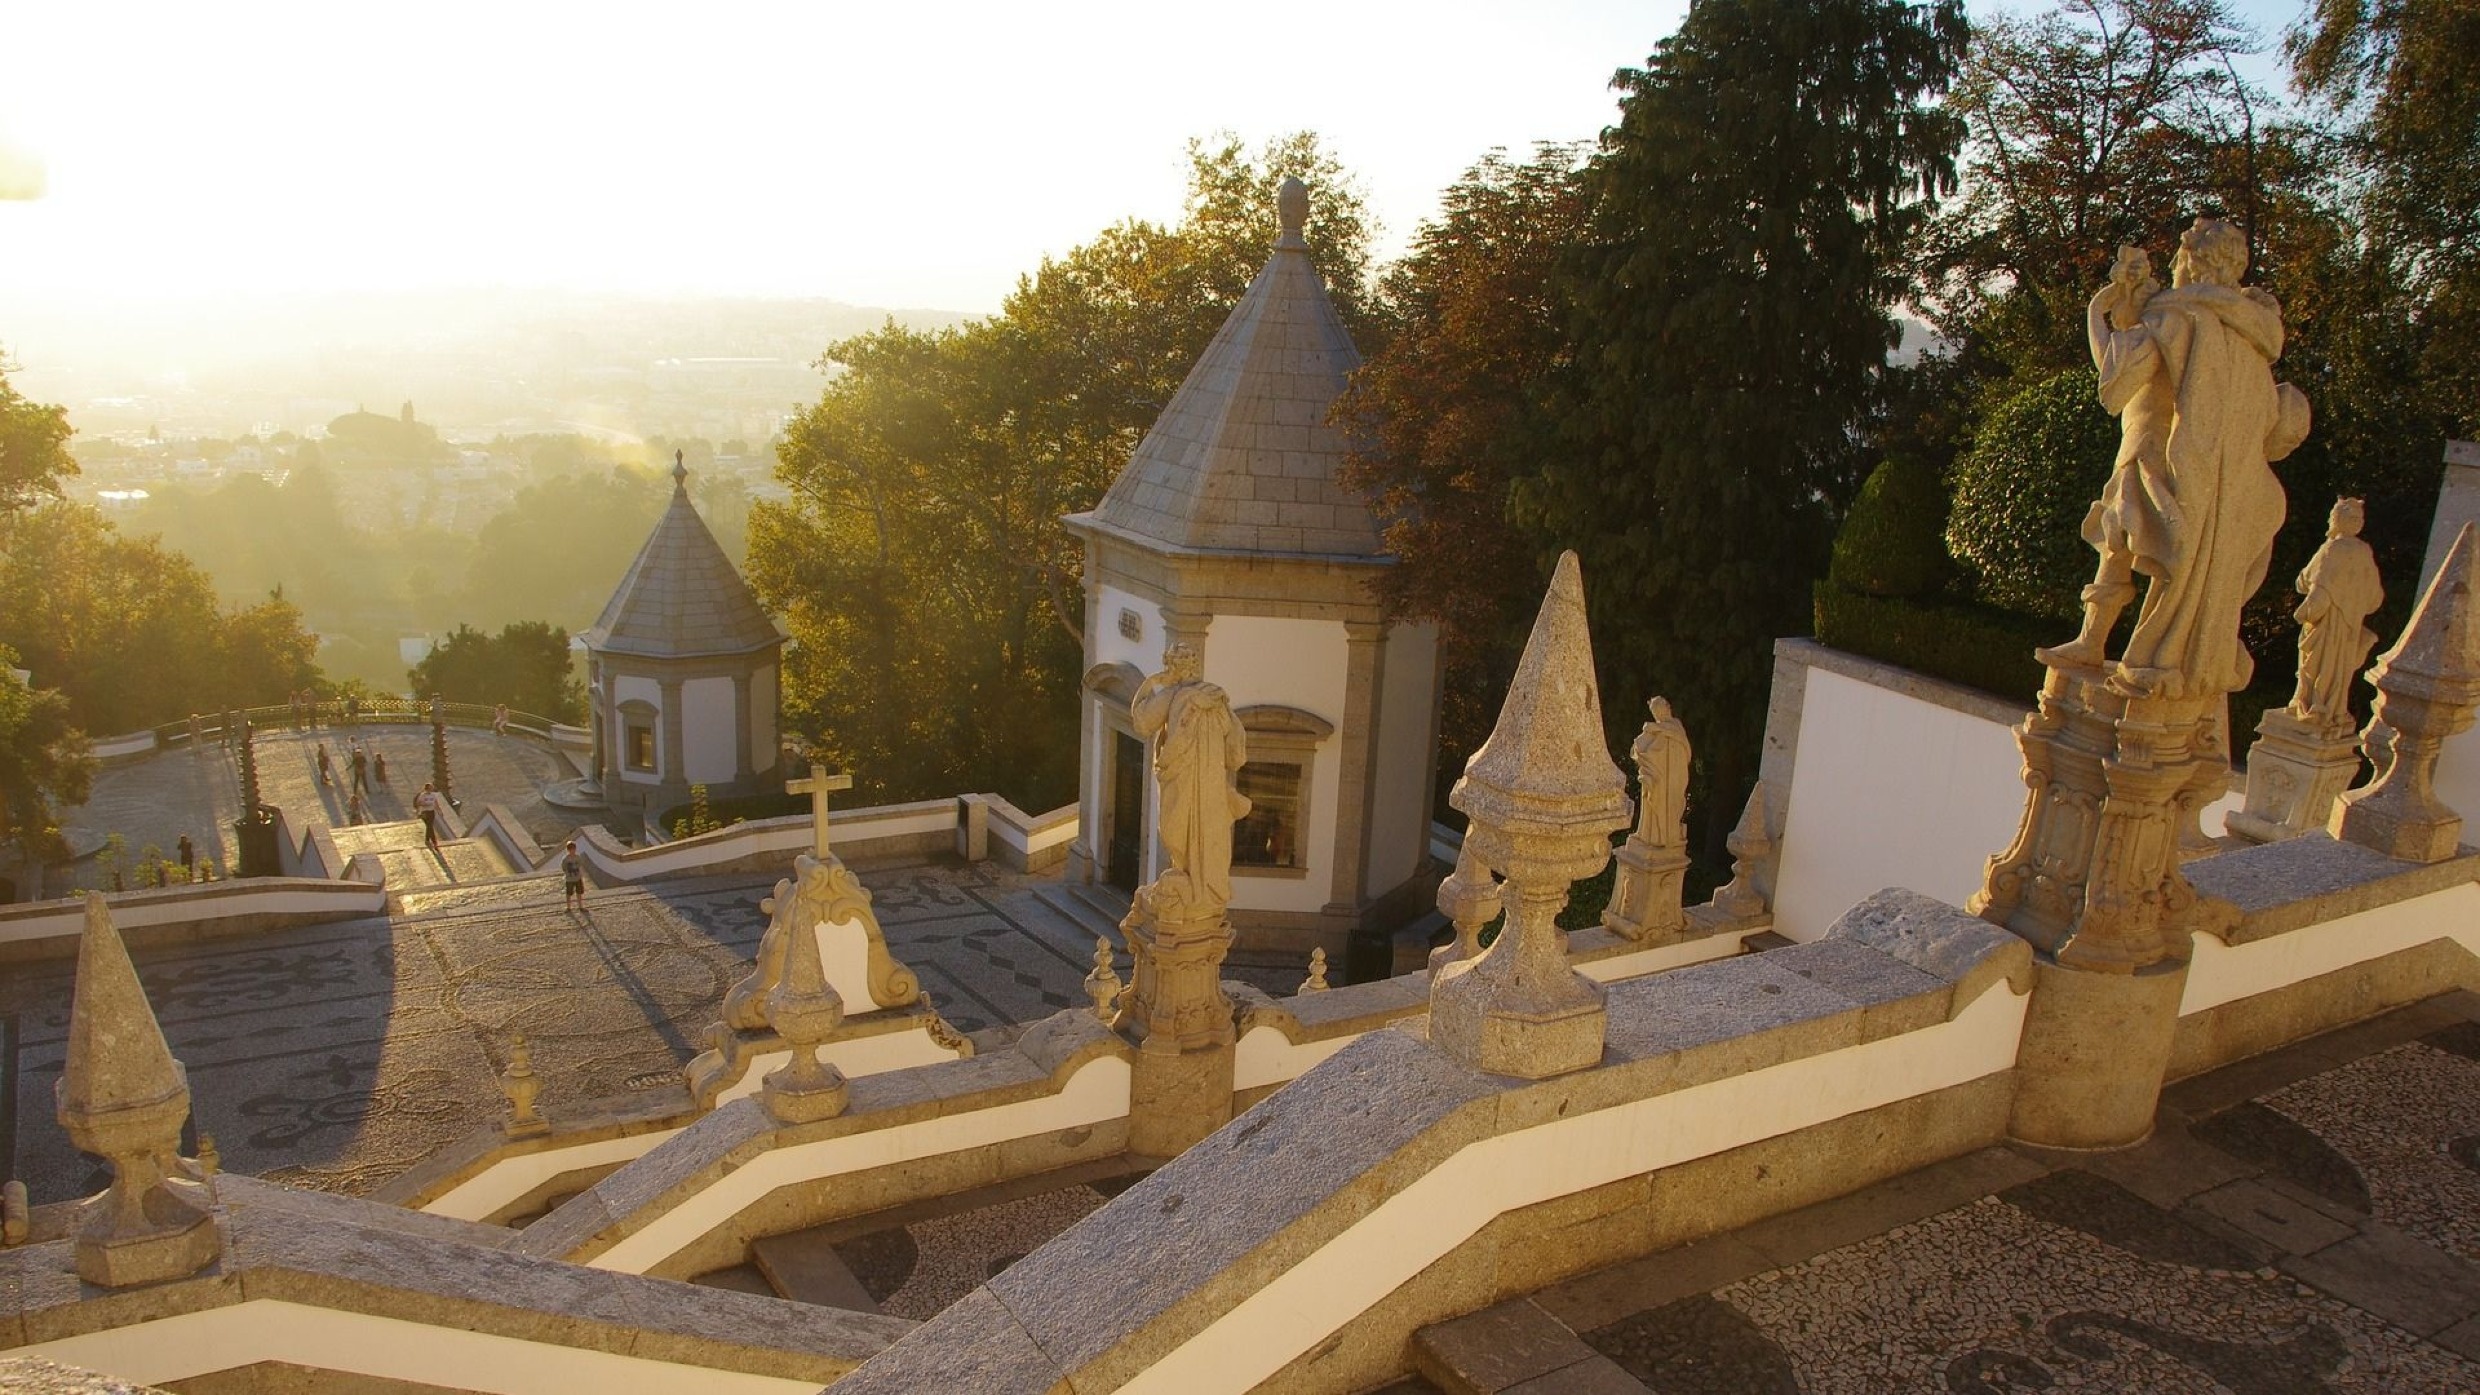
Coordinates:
(2223, 973)
(1145, 651)
(193, 1344)
(1888, 790)
(709, 730)
(762, 700)
(1399, 820)
(1097, 1092)
(1891, 790)
(632, 688)
(1268, 660)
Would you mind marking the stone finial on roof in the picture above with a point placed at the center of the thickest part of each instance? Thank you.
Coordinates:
(680, 469)
(1291, 206)
(123, 1098)
(2428, 686)
(1543, 796)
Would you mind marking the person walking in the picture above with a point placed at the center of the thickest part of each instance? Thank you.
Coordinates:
(378, 765)
(427, 804)
(361, 768)
(327, 770)
(573, 877)
(355, 811)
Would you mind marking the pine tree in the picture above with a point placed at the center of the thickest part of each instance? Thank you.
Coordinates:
(1752, 213)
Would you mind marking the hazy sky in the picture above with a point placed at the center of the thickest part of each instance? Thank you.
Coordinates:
(917, 155)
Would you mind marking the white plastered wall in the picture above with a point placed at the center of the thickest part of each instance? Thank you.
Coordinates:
(188, 1345)
(709, 731)
(1271, 661)
(762, 700)
(1399, 822)
(1112, 647)
(631, 688)
(1893, 790)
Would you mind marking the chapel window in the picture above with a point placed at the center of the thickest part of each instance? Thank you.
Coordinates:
(1269, 835)
(641, 748)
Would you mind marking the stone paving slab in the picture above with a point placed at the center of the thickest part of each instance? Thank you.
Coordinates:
(2176, 1266)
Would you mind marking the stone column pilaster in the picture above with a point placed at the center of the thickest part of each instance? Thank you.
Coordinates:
(1356, 765)
(745, 729)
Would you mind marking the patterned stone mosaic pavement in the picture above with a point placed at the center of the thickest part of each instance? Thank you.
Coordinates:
(2305, 1223)
(335, 1057)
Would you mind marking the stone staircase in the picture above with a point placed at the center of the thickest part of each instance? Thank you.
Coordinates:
(410, 864)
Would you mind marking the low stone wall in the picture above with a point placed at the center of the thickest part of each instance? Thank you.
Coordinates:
(1030, 842)
(187, 914)
(697, 1200)
(1299, 1246)
(372, 1297)
(2322, 934)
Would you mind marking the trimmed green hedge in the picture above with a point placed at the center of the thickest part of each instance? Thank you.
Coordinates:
(1976, 645)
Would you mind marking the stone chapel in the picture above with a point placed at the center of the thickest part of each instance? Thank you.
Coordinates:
(1227, 532)
(681, 673)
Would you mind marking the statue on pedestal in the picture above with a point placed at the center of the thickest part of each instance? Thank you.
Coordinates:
(2121, 756)
(1176, 932)
(2338, 591)
(1198, 748)
(2192, 503)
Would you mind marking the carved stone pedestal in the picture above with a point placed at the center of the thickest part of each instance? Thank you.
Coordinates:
(1175, 1007)
(2095, 1049)
(2092, 879)
(1519, 1009)
(2295, 771)
(1645, 901)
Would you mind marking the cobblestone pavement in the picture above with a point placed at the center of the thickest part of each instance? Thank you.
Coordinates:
(198, 791)
(2304, 1223)
(337, 1056)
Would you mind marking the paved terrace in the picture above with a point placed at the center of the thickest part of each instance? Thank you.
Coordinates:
(2303, 1223)
(197, 790)
(335, 1057)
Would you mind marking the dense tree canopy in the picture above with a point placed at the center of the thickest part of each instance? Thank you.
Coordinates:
(526, 665)
(44, 763)
(34, 448)
(1453, 408)
(931, 592)
(1749, 231)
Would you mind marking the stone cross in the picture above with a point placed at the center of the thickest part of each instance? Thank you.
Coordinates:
(818, 787)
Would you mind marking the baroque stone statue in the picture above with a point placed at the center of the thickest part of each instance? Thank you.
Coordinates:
(1199, 748)
(2192, 503)
(2338, 590)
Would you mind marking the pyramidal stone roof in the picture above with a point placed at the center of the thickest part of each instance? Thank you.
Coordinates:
(682, 597)
(1243, 458)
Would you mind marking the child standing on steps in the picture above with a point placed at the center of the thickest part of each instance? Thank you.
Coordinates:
(573, 874)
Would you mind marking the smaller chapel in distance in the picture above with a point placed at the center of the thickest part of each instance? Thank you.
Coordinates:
(681, 674)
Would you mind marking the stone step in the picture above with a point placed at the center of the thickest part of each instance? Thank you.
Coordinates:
(1088, 919)
(1518, 1349)
(806, 1269)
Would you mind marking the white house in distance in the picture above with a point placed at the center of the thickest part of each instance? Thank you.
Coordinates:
(681, 673)
(1227, 530)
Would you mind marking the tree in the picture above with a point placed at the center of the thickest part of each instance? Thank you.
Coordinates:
(1751, 223)
(526, 665)
(130, 632)
(559, 549)
(920, 565)
(2098, 123)
(44, 762)
(2402, 82)
(34, 448)
(1450, 411)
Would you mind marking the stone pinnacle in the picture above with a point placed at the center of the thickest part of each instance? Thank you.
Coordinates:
(117, 1056)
